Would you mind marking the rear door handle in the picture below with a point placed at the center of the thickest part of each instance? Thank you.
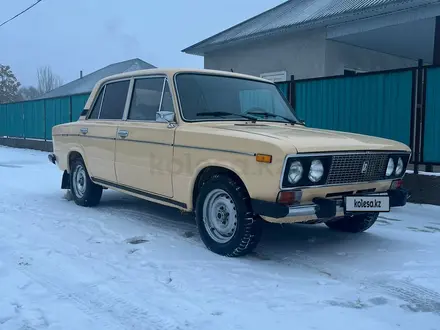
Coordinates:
(84, 130)
(123, 133)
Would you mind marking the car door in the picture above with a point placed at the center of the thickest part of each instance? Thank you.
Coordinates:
(97, 134)
(144, 142)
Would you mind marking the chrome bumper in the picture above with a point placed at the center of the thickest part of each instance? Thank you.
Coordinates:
(312, 209)
(322, 208)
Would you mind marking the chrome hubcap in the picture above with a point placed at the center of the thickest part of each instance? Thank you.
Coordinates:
(220, 216)
(79, 181)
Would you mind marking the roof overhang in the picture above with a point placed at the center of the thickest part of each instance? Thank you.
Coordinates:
(399, 12)
(406, 33)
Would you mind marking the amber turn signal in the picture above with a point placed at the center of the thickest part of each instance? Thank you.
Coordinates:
(264, 158)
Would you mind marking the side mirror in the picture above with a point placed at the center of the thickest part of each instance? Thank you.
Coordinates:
(165, 116)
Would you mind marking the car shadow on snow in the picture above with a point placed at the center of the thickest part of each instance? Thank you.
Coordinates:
(278, 240)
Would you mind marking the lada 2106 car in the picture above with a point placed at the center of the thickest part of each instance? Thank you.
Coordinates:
(228, 147)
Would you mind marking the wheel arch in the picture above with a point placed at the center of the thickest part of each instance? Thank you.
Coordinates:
(72, 155)
(208, 171)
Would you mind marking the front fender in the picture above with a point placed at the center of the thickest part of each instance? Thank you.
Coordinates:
(213, 163)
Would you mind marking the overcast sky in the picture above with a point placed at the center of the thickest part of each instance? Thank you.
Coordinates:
(74, 35)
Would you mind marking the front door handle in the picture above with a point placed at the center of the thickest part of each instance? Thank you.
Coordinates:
(123, 133)
(84, 130)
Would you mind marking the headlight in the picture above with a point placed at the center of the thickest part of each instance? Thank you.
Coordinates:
(399, 167)
(316, 171)
(295, 172)
(390, 167)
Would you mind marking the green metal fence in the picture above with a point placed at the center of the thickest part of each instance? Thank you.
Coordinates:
(378, 104)
(431, 125)
(35, 119)
(373, 104)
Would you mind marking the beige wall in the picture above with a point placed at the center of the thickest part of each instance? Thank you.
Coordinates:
(305, 55)
(301, 54)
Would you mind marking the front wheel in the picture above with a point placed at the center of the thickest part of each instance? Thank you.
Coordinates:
(354, 224)
(84, 191)
(225, 219)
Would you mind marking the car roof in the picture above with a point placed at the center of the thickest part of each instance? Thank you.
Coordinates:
(173, 71)
(168, 72)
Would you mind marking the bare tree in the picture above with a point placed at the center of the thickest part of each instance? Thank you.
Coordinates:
(47, 80)
(29, 93)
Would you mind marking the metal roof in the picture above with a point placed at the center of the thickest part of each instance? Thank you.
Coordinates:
(301, 13)
(87, 82)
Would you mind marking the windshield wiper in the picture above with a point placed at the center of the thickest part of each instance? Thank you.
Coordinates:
(268, 114)
(224, 114)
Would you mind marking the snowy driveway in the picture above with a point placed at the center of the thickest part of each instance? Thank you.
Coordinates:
(130, 264)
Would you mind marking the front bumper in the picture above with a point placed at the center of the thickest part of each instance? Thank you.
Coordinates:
(321, 207)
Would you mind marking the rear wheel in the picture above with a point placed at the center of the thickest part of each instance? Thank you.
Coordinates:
(354, 224)
(225, 219)
(84, 191)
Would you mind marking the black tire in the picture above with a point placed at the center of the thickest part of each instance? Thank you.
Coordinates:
(355, 224)
(91, 194)
(248, 229)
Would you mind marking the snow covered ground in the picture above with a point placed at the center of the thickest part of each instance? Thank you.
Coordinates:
(130, 264)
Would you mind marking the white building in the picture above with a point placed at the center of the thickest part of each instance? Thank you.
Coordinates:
(317, 38)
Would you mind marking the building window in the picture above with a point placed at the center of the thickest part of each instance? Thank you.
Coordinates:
(279, 76)
(352, 72)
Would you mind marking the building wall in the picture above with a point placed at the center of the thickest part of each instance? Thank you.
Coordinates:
(339, 56)
(305, 55)
(301, 54)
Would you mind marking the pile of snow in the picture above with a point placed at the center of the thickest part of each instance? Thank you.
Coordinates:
(424, 173)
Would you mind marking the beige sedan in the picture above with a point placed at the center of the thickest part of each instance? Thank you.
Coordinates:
(229, 148)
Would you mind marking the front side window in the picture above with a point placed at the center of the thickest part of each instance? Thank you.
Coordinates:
(145, 103)
(114, 100)
(211, 97)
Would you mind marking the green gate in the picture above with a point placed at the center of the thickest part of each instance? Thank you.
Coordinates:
(377, 104)
(431, 125)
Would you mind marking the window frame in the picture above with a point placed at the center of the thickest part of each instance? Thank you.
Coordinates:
(132, 89)
(176, 87)
(104, 88)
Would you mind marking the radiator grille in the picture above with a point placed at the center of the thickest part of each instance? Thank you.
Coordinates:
(350, 168)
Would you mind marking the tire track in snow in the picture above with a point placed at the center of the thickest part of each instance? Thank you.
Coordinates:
(175, 286)
(98, 304)
(418, 298)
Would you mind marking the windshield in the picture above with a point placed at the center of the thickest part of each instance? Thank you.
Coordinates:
(203, 97)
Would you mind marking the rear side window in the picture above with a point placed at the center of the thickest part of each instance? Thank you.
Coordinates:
(145, 102)
(114, 100)
(95, 110)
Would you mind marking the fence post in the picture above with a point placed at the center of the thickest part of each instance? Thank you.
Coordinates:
(23, 121)
(429, 167)
(418, 115)
(45, 119)
(70, 108)
(292, 92)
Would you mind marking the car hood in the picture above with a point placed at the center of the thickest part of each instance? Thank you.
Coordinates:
(306, 139)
